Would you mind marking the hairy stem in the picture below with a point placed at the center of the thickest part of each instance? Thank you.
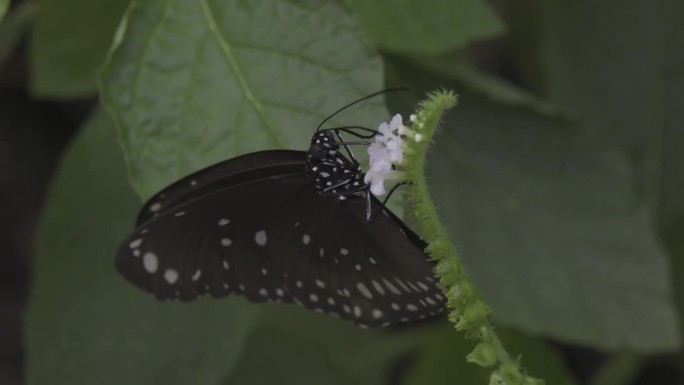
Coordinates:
(468, 311)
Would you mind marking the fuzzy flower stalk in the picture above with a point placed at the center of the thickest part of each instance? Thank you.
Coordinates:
(398, 155)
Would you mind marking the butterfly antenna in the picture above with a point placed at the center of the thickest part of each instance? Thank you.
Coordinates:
(385, 91)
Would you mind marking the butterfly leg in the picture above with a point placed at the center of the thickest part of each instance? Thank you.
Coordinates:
(369, 206)
(347, 148)
(384, 201)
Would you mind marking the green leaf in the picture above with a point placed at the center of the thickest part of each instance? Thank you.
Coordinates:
(86, 324)
(567, 238)
(13, 29)
(441, 360)
(427, 27)
(4, 6)
(623, 70)
(68, 44)
(455, 66)
(192, 83)
(549, 227)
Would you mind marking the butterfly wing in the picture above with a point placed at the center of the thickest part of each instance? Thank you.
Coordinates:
(267, 234)
(374, 274)
(191, 246)
(223, 174)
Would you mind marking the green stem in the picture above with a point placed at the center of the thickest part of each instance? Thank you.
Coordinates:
(468, 311)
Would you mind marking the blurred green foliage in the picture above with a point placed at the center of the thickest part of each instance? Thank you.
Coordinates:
(560, 181)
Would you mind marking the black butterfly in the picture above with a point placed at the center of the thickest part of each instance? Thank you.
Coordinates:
(285, 226)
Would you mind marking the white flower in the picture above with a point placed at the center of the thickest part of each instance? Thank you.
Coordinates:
(385, 152)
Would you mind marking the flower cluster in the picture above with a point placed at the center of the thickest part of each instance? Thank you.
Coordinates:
(387, 153)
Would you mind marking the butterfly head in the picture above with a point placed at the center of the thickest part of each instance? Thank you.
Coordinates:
(323, 147)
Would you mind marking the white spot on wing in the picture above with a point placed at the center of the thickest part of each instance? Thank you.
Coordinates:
(150, 262)
(411, 307)
(423, 286)
(395, 306)
(377, 313)
(179, 214)
(197, 275)
(280, 292)
(364, 290)
(344, 251)
(136, 253)
(372, 260)
(225, 264)
(377, 287)
(223, 221)
(320, 284)
(264, 271)
(313, 297)
(263, 292)
(226, 242)
(414, 287)
(357, 311)
(306, 239)
(357, 267)
(155, 207)
(171, 276)
(403, 286)
(260, 238)
(135, 244)
(391, 287)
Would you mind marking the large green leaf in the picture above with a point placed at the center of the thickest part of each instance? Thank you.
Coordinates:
(549, 226)
(621, 65)
(88, 325)
(68, 44)
(192, 83)
(425, 26)
(623, 71)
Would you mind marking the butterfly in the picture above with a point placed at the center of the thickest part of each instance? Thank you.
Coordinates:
(284, 226)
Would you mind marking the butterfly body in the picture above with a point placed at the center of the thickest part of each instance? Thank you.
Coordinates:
(331, 172)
